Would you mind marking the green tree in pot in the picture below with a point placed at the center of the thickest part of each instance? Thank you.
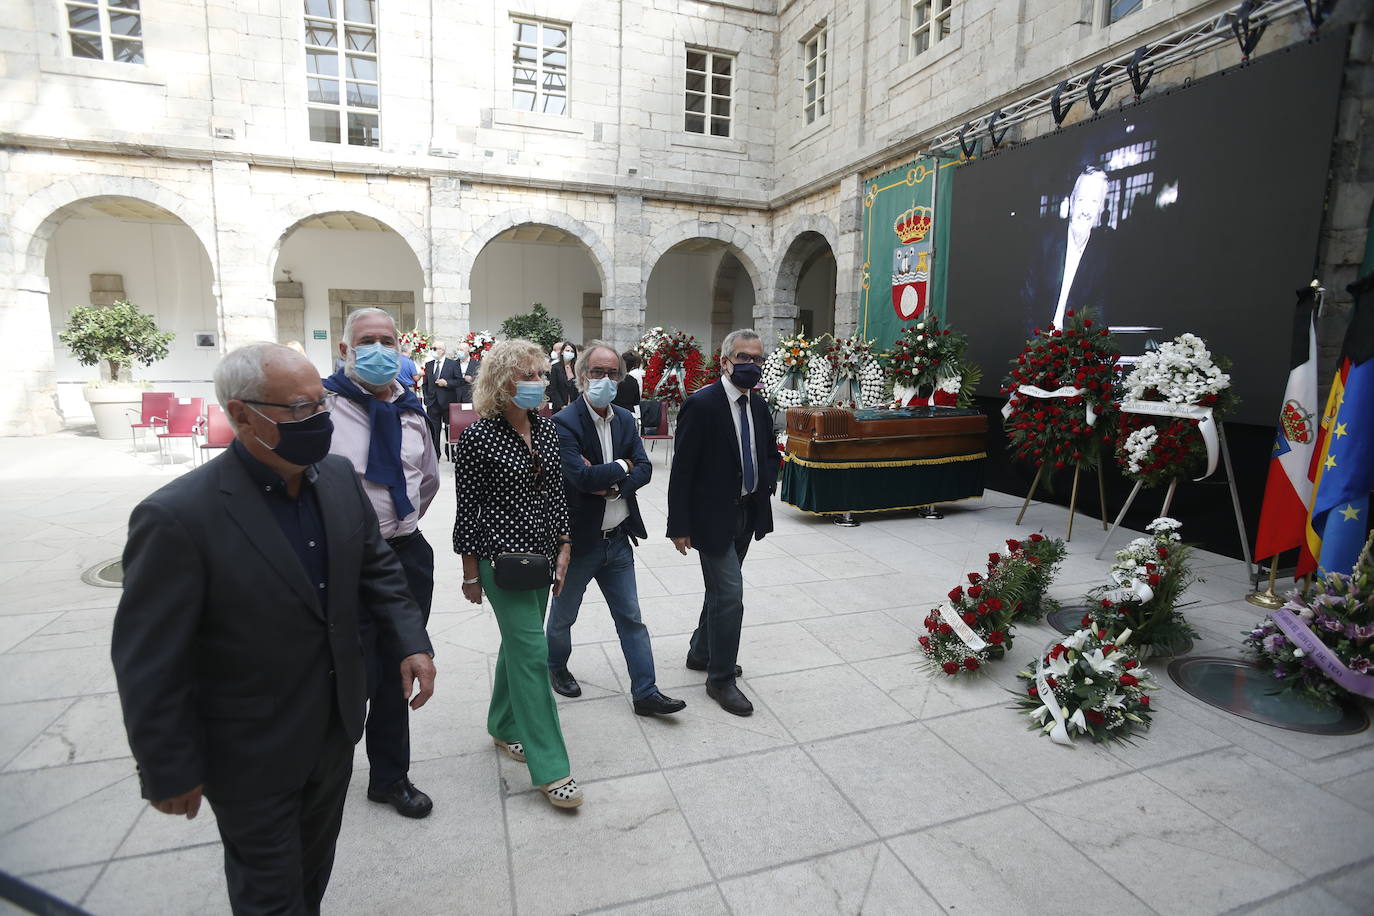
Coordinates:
(536, 325)
(117, 336)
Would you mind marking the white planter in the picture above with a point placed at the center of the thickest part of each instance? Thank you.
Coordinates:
(114, 408)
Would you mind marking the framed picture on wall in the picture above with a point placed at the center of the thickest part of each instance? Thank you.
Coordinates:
(206, 340)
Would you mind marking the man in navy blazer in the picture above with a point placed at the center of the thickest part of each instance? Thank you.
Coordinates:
(603, 464)
(719, 499)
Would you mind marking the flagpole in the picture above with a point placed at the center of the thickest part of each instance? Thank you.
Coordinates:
(1268, 598)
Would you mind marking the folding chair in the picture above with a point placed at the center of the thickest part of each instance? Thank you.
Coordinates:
(653, 421)
(217, 432)
(459, 419)
(153, 415)
(184, 421)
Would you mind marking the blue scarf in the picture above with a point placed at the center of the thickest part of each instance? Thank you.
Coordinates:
(384, 449)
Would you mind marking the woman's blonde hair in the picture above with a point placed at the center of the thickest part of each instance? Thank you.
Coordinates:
(490, 393)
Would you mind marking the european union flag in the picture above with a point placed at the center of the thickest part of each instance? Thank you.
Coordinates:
(1340, 509)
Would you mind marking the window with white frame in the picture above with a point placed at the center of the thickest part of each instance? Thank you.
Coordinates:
(1117, 9)
(930, 24)
(539, 66)
(814, 60)
(106, 30)
(342, 97)
(710, 92)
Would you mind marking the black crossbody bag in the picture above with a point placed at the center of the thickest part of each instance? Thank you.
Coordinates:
(522, 571)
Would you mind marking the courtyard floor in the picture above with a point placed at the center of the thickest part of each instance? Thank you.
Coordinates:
(861, 784)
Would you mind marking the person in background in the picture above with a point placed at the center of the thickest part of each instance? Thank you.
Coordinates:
(511, 500)
(381, 428)
(440, 388)
(235, 645)
(627, 393)
(563, 377)
(603, 466)
(719, 499)
(468, 367)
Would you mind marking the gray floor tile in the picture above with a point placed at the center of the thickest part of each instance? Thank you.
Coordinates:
(185, 882)
(15, 628)
(869, 880)
(699, 901)
(1353, 886)
(777, 647)
(24, 722)
(868, 634)
(763, 810)
(66, 884)
(92, 728)
(1309, 901)
(1008, 862)
(938, 785)
(826, 701)
(67, 816)
(704, 731)
(630, 841)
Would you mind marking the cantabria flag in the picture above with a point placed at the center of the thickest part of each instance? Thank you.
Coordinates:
(1288, 492)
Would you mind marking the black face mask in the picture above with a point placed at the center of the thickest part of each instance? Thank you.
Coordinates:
(745, 375)
(302, 442)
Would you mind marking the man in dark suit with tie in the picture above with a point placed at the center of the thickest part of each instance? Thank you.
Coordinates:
(442, 380)
(603, 465)
(236, 644)
(468, 367)
(719, 499)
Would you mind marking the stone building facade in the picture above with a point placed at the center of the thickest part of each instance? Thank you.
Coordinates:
(217, 120)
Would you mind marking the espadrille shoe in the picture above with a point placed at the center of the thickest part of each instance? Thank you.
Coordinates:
(565, 793)
(515, 749)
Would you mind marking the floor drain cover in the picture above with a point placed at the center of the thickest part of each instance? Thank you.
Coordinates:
(109, 574)
(1245, 689)
(1068, 619)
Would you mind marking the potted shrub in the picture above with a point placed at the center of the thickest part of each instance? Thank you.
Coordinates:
(114, 337)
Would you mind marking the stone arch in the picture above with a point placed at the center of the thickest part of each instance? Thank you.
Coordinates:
(34, 223)
(524, 216)
(302, 209)
(804, 239)
(740, 244)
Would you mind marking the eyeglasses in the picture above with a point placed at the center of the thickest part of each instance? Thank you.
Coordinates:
(612, 374)
(740, 359)
(301, 410)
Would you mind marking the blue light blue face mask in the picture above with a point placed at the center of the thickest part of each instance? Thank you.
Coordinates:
(528, 395)
(601, 391)
(376, 364)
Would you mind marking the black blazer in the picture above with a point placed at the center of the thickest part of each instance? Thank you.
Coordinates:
(229, 670)
(562, 390)
(1092, 281)
(461, 388)
(627, 393)
(442, 397)
(577, 438)
(704, 484)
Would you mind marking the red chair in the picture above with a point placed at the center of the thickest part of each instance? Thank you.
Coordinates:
(459, 419)
(217, 432)
(184, 421)
(156, 406)
(654, 423)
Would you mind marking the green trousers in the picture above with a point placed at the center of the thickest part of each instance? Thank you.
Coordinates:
(522, 704)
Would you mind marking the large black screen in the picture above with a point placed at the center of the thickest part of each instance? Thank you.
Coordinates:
(1199, 211)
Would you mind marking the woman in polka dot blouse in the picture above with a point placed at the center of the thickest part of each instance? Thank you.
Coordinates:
(511, 499)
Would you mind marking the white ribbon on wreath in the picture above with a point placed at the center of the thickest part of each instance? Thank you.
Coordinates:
(1206, 423)
(961, 629)
(1067, 391)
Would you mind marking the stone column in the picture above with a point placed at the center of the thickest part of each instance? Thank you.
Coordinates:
(622, 308)
(449, 296)
(243, 288)
(290, 311)
(849, 261)
(29, 377)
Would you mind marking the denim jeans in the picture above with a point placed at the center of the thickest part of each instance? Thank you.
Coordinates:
(716, 640)
(611, 562)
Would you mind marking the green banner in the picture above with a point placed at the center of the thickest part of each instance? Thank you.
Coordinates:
(906, 232)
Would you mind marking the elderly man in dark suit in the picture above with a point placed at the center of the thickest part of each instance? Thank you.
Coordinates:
(604, 465)
(719, 499)
(1071, 266)
(236, 643)
(440, 388)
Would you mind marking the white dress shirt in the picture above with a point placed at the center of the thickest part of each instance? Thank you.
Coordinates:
(733, 394)
(1073, 254)
(616, 510)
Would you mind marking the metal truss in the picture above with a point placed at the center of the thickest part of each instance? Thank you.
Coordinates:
(1133, 69)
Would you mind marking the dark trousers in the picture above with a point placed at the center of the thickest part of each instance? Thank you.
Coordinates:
(438, 419)
(716, 640)
(279, 849)
(388, 713)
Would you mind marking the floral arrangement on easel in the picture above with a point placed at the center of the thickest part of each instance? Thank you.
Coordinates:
(1074, 370)
(845, 373)
(784, 372)
(1334, 620)
(675, 367)
(928, 364)
(479, 342)
(1090, 683)
(975, 627)
(1148, 578)
(414, 343)
(1181, 372)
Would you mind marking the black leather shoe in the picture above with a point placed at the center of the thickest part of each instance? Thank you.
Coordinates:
(701, 666)
(731, 700)
(564, 683)
(656, 704)
(404, 797)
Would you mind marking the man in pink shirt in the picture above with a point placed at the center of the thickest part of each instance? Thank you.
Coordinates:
(381, 427)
